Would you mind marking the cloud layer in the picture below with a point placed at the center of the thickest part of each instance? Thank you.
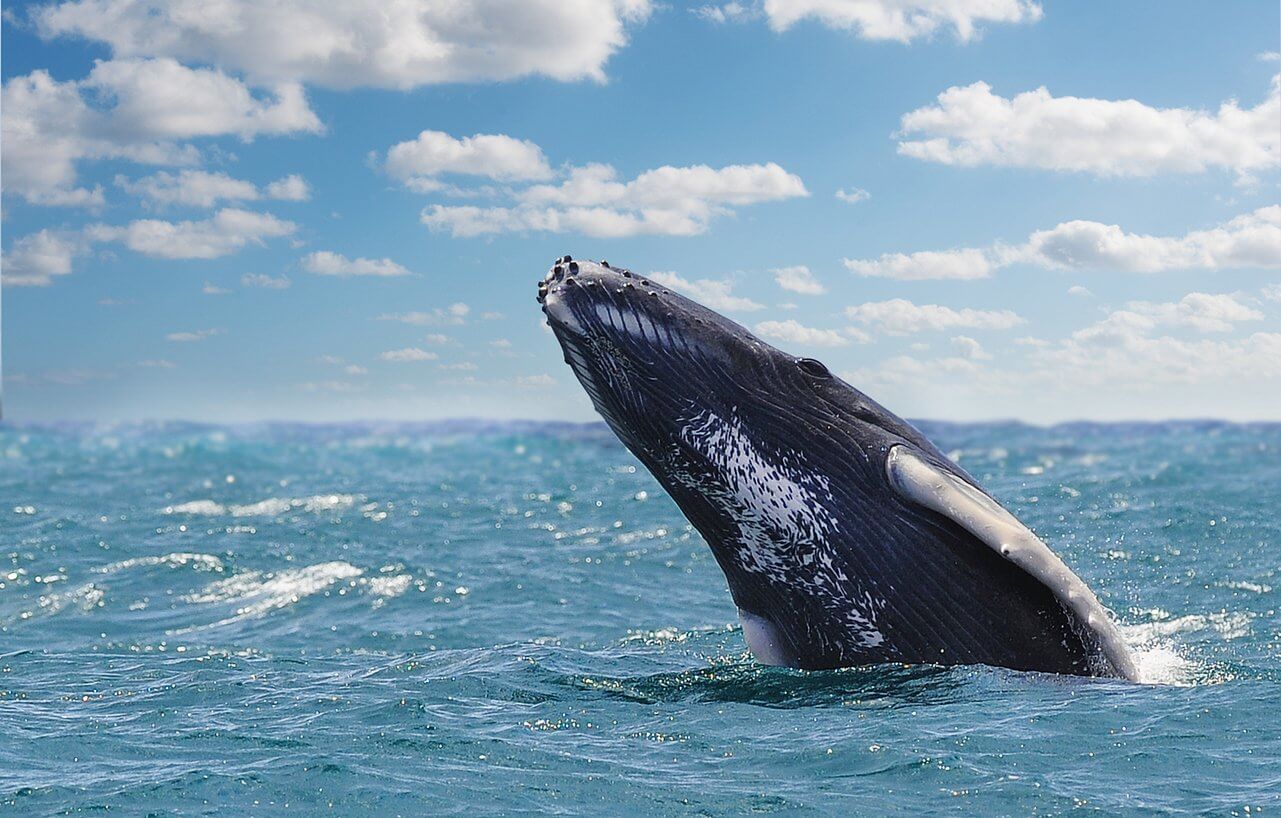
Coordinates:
(156, 106)
(1251, 240)
(199, 188)
(673, 201)
(898, 316)
(399, 44)
(972, 126)
(901, 20)
(327, 263)
(224, 233)
(419, 162)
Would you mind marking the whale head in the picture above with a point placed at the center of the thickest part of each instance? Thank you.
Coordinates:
(659, 367)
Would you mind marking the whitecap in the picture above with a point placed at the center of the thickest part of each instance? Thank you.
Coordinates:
(315, 504)
(205, 507)
(257, 593)
(202, 562)
(270, 507)
(389, 586)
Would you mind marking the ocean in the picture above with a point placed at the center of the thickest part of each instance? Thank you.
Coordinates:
(512, 618)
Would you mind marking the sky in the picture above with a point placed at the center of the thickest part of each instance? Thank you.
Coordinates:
(972, 209)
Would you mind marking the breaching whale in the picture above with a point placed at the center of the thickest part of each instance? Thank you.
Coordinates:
(845, 536)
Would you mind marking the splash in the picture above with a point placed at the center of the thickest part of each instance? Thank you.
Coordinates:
(1161, 659)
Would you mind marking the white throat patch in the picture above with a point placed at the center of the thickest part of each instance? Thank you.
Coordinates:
(784, 527)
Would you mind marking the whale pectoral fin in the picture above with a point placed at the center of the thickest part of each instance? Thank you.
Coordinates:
(919, 481)
(767, 644)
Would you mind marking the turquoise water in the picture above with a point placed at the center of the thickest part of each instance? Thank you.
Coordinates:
(507, 619)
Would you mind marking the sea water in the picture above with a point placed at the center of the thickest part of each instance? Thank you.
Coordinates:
(490, 619)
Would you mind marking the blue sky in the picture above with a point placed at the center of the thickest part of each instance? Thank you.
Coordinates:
(1046, 212)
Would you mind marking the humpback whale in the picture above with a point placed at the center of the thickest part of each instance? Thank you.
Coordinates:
(845, 536)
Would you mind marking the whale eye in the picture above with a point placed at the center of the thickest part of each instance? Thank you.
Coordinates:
(813, 368)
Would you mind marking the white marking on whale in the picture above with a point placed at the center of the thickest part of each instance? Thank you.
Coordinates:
(784, 528)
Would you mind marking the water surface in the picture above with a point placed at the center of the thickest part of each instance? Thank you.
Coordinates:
(513, 618)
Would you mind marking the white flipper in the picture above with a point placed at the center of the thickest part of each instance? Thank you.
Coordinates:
(919, 481)
(763, 639)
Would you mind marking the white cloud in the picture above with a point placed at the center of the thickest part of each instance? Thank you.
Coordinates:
(161, 99)
(1205, 312)
(713, 293)
(1271, 292)
(901, 20)
(732, 12)
(382, 43)
(971, 126)
(191, 337)
(535, 380)
(350, 369)
(213, 289)
(798, 279)
(198, 188)
(969, 348)
(962, 264)
(1079, 291)
(330, 386)
(1249, 240)
(327, 263)
(907, 369)
(265, 282)
(898, 316)
(794, 332)
(291, 188)
(408, 354)
(155, 105)
(452, 315)
(419, 162)
(157, 363)
(854, 196)
(1123, 352)
(671, 188)
(70, 377)
(224, 233)
(34, 260)
(591, 200)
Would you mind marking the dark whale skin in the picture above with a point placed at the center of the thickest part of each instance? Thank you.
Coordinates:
(781, 467)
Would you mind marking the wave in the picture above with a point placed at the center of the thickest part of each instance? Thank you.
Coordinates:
(270, 507)
(256, 594)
